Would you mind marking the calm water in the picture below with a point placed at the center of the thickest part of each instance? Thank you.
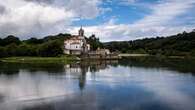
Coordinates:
(131, 84)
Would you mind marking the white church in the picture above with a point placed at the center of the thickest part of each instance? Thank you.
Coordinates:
(77, 44)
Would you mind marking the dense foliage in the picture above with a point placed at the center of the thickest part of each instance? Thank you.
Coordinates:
(94, 42)
(180, 44)
(46, 47)
(51, 49)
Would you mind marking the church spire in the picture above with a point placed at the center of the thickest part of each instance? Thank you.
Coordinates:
(81, 31)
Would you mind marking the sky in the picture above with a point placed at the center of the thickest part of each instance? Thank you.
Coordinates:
(110, 20)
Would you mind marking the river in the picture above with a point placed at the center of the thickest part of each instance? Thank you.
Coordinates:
(128, 84)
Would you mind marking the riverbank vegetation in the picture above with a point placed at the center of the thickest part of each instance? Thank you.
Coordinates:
(52, 46)
(61, 59)
(177, 45)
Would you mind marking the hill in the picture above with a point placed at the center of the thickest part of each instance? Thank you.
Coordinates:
(181, 45)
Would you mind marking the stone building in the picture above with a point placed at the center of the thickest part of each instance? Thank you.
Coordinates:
(77, 44)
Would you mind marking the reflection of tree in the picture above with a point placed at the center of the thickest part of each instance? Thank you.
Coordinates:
(14, 68)
(181, 65)
(46, 67)
(41, 107)
(80, 69)
(8, 69)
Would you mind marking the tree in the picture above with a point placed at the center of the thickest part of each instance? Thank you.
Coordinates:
(24, 50)
(10, 39)
(60, 37)
(3, 52)
(94, 42)
(34, 41)
(1, 42)
(12, 49)
(51, 49)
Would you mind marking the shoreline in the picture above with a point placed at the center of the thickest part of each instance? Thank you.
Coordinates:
(62, 59)
(157, 56)
(71, 59)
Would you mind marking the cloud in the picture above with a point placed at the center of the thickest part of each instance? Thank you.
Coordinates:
(161, 22)
(85, 8)
(166, 11)
(35, 18)
(163, 17)
(28, 18)
(38, 18)
(2, 9)
(41, 1)
(107, 31)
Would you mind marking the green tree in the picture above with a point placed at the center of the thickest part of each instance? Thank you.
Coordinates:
(12, 49)
(34, 41)
(3, 52)
(94, 42)
(1, 42)
(10, 39)
(51, 49)
(23, 50)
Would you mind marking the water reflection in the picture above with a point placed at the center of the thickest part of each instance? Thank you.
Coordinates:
(136, 84)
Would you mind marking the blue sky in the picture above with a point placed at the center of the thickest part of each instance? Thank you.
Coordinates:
(122, 12)
(110, 20)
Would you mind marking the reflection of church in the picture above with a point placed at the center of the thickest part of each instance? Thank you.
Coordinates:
(77, 44)
(80, 70)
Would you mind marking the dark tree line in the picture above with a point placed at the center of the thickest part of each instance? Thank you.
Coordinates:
(46, 47)
(49, 46)
(181, 44)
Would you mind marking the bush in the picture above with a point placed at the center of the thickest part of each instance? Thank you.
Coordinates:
(3, 52)
(12, 49)
(51, 49)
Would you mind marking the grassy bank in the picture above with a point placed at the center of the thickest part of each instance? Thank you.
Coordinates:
(156, 56)
(61, 59)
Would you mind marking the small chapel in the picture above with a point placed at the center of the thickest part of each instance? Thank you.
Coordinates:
(77, 44)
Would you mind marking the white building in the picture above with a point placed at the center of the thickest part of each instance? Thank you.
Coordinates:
(77, 44)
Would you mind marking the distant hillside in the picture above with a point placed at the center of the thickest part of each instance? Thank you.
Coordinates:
(180, 44)
(48, 46)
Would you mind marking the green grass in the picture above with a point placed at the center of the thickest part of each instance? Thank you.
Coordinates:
(61, 59)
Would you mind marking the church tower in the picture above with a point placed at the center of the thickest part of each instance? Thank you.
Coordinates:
(81, 32)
